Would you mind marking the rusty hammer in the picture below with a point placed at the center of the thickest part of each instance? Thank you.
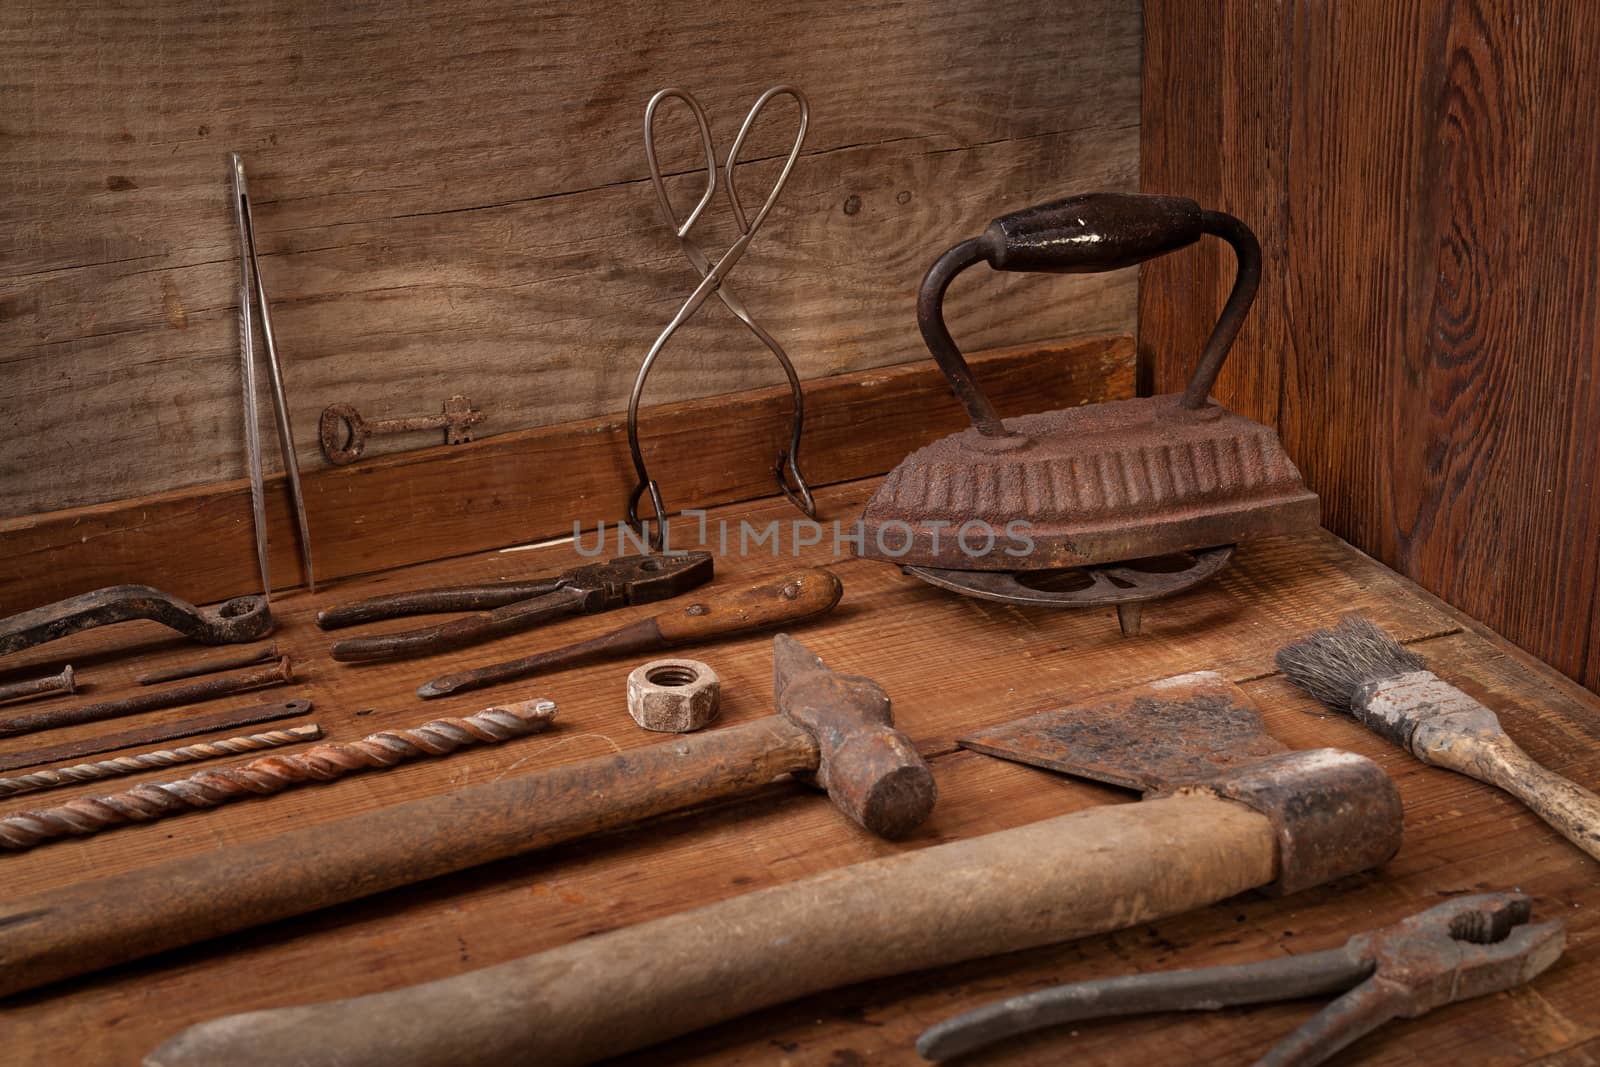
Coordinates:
(833, 730)
(1230, 809)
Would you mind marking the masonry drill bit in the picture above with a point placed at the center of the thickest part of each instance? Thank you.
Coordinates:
(273, 774)
(165, 757)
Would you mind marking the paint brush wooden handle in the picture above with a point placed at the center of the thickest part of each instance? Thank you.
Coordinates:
(720, 613)
(1089, 872)
(1447, 727)
(1493, 758)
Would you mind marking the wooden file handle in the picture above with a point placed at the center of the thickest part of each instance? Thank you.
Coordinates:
(716, 613)
(1090, 872)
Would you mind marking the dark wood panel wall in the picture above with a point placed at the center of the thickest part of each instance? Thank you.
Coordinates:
(1425, 179)
(452, 196)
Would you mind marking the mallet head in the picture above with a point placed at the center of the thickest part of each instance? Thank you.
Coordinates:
(871, 770)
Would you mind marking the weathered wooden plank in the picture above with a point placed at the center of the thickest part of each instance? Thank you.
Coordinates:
(949, 668)
(1212, 130)
(531, 484)
(1425, 289)
(359, 113)
(539, 311)
(467, 212)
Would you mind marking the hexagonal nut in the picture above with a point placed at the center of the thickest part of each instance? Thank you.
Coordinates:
(674, 695)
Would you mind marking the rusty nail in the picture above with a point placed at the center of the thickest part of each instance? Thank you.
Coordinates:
(279, 673)
(55, 683)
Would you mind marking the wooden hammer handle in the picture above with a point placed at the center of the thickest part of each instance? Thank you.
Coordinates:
(1569, 808)
(82, 928)
(1090, 872)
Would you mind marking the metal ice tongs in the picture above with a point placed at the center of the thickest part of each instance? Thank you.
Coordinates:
(713, 279)
(1468, 947)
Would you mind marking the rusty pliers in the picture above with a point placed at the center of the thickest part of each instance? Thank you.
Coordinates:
(1468, 947)
(517, 606)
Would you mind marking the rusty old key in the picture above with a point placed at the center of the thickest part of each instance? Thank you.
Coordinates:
(344, 432)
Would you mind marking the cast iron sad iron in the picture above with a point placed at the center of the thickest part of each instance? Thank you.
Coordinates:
(1116, 503)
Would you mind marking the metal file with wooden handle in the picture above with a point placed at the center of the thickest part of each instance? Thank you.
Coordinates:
(1235, 812)
(715, 614)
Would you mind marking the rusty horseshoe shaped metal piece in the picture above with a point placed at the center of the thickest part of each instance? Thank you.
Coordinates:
(241, 619)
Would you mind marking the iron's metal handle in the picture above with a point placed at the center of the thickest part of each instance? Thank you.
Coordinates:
(1084, 235)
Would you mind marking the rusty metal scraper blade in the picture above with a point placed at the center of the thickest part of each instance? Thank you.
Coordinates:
(1152, 737)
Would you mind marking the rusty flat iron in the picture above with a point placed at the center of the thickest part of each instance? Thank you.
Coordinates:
(1115, 503)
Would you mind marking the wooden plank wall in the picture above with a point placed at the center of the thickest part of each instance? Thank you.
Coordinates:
(451, 196)
(1424, 179)
(532, 485)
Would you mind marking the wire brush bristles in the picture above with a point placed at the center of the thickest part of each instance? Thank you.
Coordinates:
(1332, 665)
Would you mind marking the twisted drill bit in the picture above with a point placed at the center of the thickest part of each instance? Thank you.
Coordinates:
(272, 774)
(165, 757)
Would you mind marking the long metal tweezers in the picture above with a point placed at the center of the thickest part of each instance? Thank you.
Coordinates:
(251, 289)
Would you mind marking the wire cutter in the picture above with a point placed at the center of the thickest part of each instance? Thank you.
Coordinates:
(517, 606)
(1467, 947)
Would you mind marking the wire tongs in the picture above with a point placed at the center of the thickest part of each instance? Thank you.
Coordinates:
(1467, 947)
(713, 279)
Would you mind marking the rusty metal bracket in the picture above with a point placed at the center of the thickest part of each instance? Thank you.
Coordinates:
(241, 619)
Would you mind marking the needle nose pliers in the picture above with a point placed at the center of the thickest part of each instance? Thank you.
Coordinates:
(517, 606)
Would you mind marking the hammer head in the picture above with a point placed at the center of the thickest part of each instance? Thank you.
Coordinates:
(871, 770)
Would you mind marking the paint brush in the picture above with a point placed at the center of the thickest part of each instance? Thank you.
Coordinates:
(1360, 670)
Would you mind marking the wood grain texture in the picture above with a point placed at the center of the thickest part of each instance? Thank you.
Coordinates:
(951, 666)
(452, 197)
(1426, 340)
(533, 484)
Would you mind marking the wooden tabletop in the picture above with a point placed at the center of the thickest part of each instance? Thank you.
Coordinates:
(950, 664)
